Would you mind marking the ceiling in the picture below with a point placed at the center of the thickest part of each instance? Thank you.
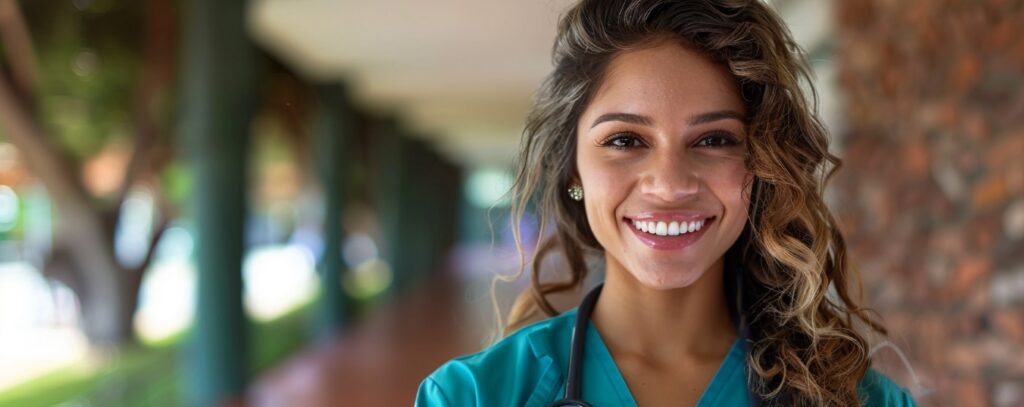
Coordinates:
(459, 72)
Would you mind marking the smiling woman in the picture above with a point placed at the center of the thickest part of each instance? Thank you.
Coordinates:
(673, 141)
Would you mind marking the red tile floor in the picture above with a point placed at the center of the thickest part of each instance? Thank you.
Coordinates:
(380, 360)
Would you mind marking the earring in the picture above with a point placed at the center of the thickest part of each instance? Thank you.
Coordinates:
(576, 192)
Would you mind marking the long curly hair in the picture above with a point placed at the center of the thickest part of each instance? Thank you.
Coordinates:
(801, 293)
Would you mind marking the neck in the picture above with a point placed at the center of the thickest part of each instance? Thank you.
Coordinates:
(664, 324)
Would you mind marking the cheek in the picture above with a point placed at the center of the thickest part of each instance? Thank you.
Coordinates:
(602, 196)
(733, 188)
(604, 189)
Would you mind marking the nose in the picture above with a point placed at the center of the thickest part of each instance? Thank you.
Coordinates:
(670, 179)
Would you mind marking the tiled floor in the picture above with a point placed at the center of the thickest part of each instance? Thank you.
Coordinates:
(380, 361)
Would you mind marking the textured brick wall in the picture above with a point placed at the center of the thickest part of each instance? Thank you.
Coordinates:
(932, 191)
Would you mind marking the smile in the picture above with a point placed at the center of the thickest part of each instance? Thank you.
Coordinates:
(669, 232)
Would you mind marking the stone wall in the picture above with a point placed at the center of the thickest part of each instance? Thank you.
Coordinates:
(931, 194)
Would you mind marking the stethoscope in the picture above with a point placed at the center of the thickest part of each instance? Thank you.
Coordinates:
(573, 391)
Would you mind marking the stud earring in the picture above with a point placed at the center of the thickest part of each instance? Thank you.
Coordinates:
(576, 192)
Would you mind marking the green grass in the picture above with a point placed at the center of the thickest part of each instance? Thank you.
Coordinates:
(149, 375)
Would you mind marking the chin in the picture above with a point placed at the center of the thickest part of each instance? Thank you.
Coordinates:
(663, 278)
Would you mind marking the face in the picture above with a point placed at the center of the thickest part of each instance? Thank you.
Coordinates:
(661, 152)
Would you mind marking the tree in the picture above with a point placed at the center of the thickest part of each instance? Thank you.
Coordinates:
(83, 252)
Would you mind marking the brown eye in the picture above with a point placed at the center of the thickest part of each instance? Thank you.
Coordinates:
(717, 140)
(622, 141)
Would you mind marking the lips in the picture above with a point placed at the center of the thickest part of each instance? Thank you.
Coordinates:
(669, 231)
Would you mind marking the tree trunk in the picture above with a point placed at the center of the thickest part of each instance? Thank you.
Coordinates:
(89, 266)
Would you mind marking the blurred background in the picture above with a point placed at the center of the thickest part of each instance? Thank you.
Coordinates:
(299, 202)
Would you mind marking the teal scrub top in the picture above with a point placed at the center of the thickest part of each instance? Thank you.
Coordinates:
(528, 368)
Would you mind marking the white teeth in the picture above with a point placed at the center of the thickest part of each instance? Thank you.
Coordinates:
(668, 228)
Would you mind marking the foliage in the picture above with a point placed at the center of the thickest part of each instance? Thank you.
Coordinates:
(88, 62)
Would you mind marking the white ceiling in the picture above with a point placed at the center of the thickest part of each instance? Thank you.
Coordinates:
(459, 72)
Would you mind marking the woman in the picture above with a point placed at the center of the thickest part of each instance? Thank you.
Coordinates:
(673, 141)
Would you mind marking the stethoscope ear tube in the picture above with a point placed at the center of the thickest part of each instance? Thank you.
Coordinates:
(574, 380)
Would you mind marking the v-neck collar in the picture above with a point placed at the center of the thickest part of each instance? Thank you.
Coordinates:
(597, 354)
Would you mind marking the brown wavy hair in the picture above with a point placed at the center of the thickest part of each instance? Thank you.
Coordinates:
(800, 292)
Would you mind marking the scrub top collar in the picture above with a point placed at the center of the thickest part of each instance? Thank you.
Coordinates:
(602, 380)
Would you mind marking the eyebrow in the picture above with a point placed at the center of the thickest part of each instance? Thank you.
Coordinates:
(702, 118)
(716, 116)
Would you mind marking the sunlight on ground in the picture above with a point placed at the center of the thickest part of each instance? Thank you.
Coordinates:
(39, 319)
(31, 353)
(278, 279)
(166, 300)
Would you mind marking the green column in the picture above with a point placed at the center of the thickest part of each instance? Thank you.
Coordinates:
(416, 195)
(429, 224)
(431, 210)
(389, 171)
(410, 215)
(218, 102)
(419, 211)
(449, 186)
(334, 125)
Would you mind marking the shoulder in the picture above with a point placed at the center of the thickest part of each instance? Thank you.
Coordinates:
(513, 369)
(878, 390)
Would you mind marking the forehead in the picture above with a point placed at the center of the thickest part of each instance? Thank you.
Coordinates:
(665, 78)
